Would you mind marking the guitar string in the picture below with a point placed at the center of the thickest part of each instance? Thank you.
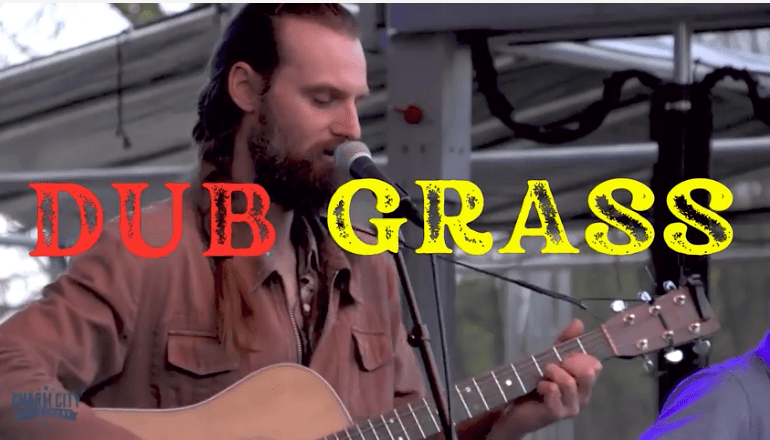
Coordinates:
(595, 339)
(591, 341)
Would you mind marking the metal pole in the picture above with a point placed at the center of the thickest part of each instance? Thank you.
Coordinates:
(433, 73)
(18, 240)
(682, 123)
(683, 53)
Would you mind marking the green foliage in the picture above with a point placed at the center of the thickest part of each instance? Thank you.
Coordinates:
(139, 13)
(479, 326)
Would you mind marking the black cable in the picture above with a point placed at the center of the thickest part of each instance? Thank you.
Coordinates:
(761, 105)
(588, 120)
(526, 285)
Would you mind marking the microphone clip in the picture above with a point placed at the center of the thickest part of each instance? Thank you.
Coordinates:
(407, 210)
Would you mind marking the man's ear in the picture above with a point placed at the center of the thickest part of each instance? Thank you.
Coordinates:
(244, 85)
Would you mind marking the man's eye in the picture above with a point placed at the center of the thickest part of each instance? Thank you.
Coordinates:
(322, 100)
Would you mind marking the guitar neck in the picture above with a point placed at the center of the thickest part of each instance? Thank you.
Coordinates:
(476, 396)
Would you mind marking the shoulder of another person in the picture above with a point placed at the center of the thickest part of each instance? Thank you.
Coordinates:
(704, 383)
(755, 381)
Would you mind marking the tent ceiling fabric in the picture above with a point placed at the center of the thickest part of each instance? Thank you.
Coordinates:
(539, 22)
(60, 113)
(168, 49)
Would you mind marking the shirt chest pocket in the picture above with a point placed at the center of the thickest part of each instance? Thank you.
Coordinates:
(197, 367)
(373, 349)
(370, 386)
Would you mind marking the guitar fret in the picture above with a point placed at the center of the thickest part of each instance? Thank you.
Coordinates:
(348, 434)
(377, 437)
(557, 354)
(402, 424)
(538, 366)
(498, 386)
(388, 428)
(360, 432)
(483, 400)
(581, 345)
(430, 411)
(463, 400)
(519, 378)
(416, 420)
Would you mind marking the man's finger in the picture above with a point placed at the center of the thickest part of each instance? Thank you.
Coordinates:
(585, 370)
(573, 330)
(551, 398)
(568, 388)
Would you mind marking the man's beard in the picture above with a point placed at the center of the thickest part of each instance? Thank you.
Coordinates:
(293, 183)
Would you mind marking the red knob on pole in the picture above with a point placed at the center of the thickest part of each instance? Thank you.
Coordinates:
(412, 114)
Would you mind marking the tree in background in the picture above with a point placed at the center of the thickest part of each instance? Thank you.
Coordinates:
(139, 14)
(29, 31)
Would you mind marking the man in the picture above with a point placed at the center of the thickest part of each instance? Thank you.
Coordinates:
(129, 332)
(730, 400)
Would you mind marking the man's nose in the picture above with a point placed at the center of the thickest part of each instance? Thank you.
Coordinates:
(347, 124)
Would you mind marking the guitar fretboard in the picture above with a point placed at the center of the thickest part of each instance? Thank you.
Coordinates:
(476, 396)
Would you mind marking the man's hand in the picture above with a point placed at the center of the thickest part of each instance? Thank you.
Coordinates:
(559, 395)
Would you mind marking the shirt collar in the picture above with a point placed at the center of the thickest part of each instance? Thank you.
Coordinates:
(331, 258)
(763, 349)
(303, 237)
(316, 251)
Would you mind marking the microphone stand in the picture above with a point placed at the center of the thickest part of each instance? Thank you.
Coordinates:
(418, 337)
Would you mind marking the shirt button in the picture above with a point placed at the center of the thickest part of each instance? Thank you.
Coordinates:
(306, 307)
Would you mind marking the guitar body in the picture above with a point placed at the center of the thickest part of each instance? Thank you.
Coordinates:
(291, 402)
(280, 402)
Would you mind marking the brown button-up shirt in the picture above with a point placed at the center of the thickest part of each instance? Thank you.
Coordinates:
(130, 332)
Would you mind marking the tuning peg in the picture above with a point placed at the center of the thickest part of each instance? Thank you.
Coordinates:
(648, 365)
(669, 285)
(674, 356)
(701, 347)
(618, 305)
(644, 296)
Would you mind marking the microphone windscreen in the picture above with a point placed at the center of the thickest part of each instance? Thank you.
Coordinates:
(346, 153)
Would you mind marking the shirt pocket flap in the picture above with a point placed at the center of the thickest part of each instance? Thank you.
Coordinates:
(199, 353)
(373, 349)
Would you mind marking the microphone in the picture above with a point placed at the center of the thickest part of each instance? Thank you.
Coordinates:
(354, 159)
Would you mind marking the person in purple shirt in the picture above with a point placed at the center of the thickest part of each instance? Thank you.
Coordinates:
(730, 400)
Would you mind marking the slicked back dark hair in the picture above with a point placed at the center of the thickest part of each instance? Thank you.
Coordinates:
(251, 37)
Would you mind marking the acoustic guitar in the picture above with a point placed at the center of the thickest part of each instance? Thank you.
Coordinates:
(291, 402)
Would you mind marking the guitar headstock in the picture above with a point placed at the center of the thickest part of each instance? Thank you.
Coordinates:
(671, 320)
